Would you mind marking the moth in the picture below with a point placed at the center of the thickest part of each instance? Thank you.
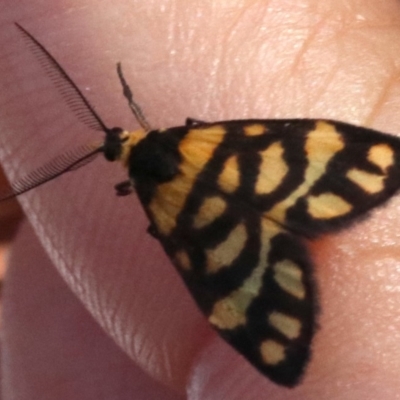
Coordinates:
(233, 204)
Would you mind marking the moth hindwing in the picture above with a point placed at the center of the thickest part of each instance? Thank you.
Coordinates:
(233, 204)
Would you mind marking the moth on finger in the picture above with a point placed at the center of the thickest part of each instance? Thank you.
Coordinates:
(233, 204)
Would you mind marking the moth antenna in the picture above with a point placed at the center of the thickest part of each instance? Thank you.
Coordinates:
(68, 161)
(68, 89)
(136, 110)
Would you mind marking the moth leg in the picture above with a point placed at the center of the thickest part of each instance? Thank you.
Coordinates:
(124, 188)
(194, 122)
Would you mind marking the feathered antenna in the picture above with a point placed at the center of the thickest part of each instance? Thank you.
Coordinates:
(68, 89)
(71, 160)
(65, 162)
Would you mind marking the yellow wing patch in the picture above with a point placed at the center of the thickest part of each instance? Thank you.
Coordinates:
(229, 313)
(229, 178)
(289, 277)
(381, 155)
(288, 325)
(272, 352)
(327, 205)
(211, 208)
(227, 251)
(182, 260)
(254, 129)
(371, 183)
(273, 169)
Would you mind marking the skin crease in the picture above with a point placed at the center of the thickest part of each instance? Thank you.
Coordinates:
(261, 59)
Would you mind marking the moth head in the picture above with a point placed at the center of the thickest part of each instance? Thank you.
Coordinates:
(113, 143)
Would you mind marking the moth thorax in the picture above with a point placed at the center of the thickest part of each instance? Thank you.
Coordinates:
(155, 157)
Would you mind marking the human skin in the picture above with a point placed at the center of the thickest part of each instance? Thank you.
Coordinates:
(210, 61)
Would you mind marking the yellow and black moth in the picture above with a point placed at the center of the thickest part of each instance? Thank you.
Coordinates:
(233, 204)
